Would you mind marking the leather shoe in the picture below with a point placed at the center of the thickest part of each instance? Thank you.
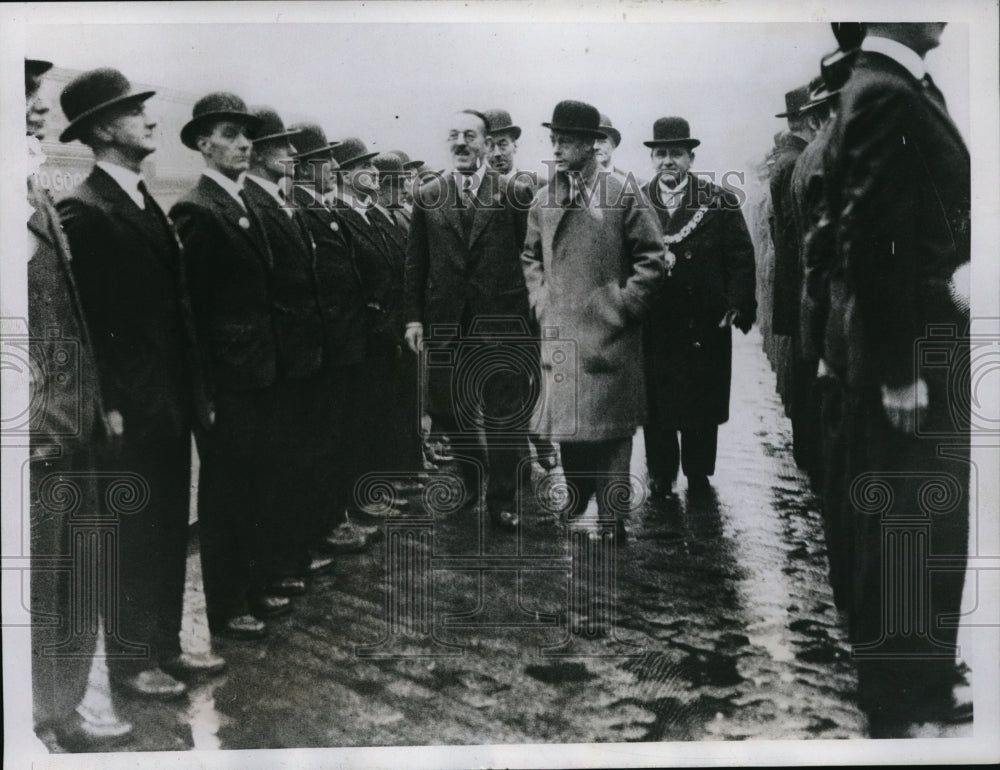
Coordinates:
(269, 606)
(187, 664)
(505, 520)
(240, 627)
(547, 462)
(321, 564)
(78, 734)
(347, 538)
(288, 586)
(152, 683)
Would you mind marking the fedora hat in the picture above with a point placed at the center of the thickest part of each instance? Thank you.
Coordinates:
(500, 122)
(271, 126)
(795, 100)
(310, 139)
(214, 107)
(573, 117)
(90, 94)
(350, 151)
(668, 131)
(610, 130)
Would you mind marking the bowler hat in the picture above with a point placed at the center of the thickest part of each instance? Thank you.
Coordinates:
(795, 100)
(671, 131)
(271, 126)
(215, 107)
(310, 139)
(500, 122)
(388, 163)
(93, 92)
(849, 34)
(610, 130)
(350, 151)
(36, 67)
(573, 117)
(408, 164)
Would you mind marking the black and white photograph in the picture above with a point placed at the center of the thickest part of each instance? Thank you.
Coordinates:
(498, 384)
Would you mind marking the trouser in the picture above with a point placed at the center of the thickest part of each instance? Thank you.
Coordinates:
(331, 486)
(695, 451)
(601, 468)
(152, 547)
(802, 410)
(833, 490)
(62, 489)
(909, 498)
(235, 500)
(301, 453)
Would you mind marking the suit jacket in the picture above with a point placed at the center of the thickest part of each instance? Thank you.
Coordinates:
(898, 193)
(785, 307)
(229, 271)
(378, 271)
(70, 391)
(394, 236)
(688, 357)
(450, 278)
(338, 282)
(591, 273)
(298, 324)
(128, 267)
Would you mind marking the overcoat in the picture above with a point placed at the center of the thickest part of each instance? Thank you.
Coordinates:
(591, 272)
(688, 356)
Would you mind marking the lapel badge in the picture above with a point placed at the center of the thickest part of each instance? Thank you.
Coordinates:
(244, 223)
(687, 254)
(334, 226)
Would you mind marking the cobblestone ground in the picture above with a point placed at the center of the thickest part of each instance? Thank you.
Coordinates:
(722, 625)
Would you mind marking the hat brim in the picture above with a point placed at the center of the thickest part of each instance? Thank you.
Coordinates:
(37, 67)
(689, 143)
(272, 137)
(613, 135)
(790, 113)
(514, 131)
(188, 135)
(356, 159)
(410, 165)
(596, 133)
(72, 131)
(317, 151)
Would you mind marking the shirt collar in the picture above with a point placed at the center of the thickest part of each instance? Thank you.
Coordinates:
(899, 53)
(673, 191)
(477, 178)
(310, 188)
(227, 184)
(271, 188)
(125, 178)
(356, 203)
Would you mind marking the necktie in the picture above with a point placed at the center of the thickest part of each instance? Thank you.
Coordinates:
(153, 209)
(467, 212)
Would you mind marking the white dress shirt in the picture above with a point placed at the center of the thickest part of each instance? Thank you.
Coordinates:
(470, 182)
(227, 184)
(672, 197)
(125, 178)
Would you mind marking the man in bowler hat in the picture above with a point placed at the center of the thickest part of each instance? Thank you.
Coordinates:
(708, 289)
(229, 263)
(64, 437)
(298, 331)
(128, 266)
(592, 259)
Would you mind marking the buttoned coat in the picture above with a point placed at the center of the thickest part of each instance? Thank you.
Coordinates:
(591, 272)
(688, 356)
(298, 325)
(127, 264)
(228, 266)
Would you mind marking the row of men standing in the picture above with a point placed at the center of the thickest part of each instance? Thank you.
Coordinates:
(870, 194)
(273, 327)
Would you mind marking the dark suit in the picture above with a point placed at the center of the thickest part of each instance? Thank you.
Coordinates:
(298, 328)
(461, 267)
(345, 322)
(132, 286)
(404, 414)
(898, 194)
(688, 357)
(229, 271)
(63, 436)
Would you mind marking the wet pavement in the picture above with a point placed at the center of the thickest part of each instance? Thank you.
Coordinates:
(713, 621)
